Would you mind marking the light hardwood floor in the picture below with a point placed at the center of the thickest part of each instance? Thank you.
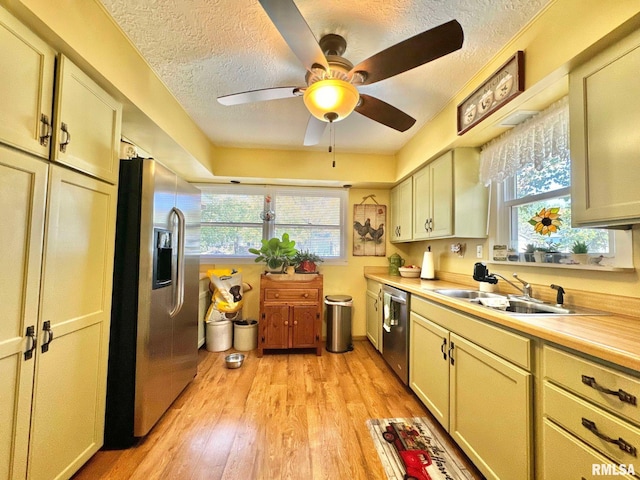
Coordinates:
(281, 416)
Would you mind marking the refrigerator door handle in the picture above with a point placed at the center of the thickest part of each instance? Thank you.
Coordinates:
(179, 290)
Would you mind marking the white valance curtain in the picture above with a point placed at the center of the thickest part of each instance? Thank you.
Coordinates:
(540, 138)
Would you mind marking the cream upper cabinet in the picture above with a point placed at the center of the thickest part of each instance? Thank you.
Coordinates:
(447, 200)
(26, 97)
(67, 421)
(474, 378)
(433, 199)
(87, 124)
(23, 181)
(604, 102)
(401, 216)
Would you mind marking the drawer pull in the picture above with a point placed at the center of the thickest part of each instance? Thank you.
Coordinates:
(624, 446)
(621, 394)
(305, 295)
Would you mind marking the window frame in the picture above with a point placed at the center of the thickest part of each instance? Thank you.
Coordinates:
(268, 228)
(501, 230)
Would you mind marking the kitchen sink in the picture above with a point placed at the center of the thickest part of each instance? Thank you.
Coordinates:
(467, 294)
(514, 305)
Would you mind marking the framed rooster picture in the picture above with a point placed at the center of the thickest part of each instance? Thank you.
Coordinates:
(369, 230)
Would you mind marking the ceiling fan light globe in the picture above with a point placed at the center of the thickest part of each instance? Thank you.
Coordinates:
(331, 96)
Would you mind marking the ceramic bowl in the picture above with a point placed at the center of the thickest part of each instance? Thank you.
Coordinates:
(409, 272)
(234, 360)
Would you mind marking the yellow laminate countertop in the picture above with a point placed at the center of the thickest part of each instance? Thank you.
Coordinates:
(613, 338)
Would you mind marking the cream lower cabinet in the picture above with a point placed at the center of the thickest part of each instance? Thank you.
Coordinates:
(374, 314)
(55, 303)
(591, 419)
(23, 185)
(461, 369)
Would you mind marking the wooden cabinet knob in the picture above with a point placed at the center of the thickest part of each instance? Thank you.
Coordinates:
(277, 295)
(306, 295)
(286, 322)
(295, 322)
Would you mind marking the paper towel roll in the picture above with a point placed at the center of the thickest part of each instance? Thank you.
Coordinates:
(428, 270)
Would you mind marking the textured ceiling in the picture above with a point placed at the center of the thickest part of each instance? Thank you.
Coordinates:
(202, 49)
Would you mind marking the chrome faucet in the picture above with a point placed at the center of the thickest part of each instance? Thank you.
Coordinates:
(526, 287)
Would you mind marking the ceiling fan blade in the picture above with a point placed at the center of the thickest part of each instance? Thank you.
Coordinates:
(413, 52)
(296, 33)
(315, 129)
(382, 112)
(260, 95)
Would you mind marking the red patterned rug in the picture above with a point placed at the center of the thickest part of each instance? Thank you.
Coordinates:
(408, 449)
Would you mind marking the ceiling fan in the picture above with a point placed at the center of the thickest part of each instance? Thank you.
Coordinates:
(330, 93)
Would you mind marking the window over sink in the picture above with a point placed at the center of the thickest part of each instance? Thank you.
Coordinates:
(529, 170)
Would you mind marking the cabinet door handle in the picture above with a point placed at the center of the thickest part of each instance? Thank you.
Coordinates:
(305, 295)
(277, 295)
(443, 348)
(46, 328)
(451, 347)
(31, 334)
(621, 394)
(45, 130)
(295, 322)
(426, 225)
(623, 445)
(430, 225)
(286, 323)
(67, 137)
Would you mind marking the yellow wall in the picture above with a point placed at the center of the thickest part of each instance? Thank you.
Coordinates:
(350, 168)
(553, 42)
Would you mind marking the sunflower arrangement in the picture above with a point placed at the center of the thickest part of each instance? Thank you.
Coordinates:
(547, 221)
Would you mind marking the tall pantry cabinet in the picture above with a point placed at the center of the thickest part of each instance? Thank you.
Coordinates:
(58, 227)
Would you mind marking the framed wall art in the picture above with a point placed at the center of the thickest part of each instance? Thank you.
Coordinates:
(504, 85)
(369, 234)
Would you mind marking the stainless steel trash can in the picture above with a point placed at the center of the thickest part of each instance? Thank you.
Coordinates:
(338, 323)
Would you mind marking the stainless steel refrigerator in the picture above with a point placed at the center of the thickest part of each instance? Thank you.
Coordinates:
(153, 349)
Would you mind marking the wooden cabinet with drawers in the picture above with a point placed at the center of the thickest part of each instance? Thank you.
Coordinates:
(290, 313)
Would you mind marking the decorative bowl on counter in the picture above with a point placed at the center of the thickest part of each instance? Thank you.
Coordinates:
(412, 271)
(234, 360)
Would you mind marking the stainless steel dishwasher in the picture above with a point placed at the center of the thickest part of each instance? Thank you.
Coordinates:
(395, 331)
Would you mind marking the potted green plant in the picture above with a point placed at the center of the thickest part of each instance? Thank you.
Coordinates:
(276, 253)
(306, 262)
(579, 252)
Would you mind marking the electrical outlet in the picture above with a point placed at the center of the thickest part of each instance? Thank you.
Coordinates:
(478, 251)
